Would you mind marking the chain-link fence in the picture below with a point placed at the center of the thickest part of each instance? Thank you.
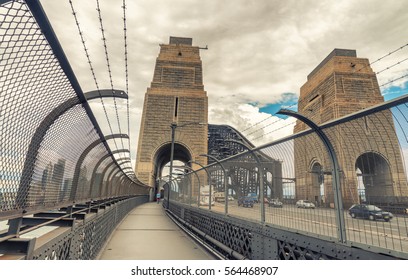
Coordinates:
(351, 189)
(52, 151)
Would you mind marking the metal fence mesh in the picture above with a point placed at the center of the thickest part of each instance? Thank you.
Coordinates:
(299, 186)
(44, 126)
(30, 77)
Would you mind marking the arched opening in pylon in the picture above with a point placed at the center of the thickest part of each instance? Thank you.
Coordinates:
(374, 178)
(162, 157)
(318, 191)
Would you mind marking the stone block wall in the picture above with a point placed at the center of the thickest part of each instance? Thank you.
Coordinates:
(176, 95)
(343, 84)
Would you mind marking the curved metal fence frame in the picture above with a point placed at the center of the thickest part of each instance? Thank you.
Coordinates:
(45, 116)
(43, 105)
(387, 238)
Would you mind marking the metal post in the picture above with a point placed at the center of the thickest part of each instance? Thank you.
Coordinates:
(190, 190)
(173, 129)
(225, 181)
(338, 202)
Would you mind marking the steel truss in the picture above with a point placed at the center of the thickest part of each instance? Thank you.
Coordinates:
(225, 141)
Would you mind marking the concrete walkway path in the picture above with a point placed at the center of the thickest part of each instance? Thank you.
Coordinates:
(147, 233)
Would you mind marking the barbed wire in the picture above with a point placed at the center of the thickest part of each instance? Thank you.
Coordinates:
(126, 68)
(399, 78)
(98, 9)
(384, 56)
(272, 115)
(263, 135)
(389, 67)
(370, 64)
(90, 66)
(280, 119)
(256, 123)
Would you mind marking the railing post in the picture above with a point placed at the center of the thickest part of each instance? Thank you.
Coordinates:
(338, 201)
(190, 195)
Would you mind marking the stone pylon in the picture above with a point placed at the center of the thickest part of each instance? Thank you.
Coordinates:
(367, 148)
(177, 96)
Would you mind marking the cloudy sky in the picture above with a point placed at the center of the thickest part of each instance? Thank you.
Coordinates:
(259, 52)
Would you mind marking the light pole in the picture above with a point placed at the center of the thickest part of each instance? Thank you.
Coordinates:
(260, 173)
(173, 127)
(225, 180)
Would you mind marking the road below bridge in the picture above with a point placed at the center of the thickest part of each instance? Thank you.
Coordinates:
(321, 222)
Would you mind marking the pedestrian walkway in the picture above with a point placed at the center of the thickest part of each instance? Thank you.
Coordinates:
(147, 233)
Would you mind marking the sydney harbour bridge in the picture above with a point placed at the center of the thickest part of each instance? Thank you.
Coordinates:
(65, 185)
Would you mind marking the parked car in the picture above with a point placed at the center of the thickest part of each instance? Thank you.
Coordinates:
(274, 202)
(370, 212)
(246, 201)
(305, 204)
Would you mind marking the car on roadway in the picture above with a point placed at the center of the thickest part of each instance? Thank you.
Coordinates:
(275, 202)
(253, 196)
(370, 212)
(305, 204)
(246, 201)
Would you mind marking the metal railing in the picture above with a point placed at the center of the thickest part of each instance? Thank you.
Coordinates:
(53, 156)
(371, 147)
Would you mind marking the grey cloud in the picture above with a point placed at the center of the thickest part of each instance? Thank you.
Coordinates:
(257, 49)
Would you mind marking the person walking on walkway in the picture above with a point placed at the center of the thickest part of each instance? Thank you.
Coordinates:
(158, 198)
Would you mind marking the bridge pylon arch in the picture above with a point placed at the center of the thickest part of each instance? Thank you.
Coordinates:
(176, 95)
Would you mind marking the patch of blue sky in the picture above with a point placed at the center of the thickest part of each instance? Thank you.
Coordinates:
(288, 101)
(400, 114)
(395, 91)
